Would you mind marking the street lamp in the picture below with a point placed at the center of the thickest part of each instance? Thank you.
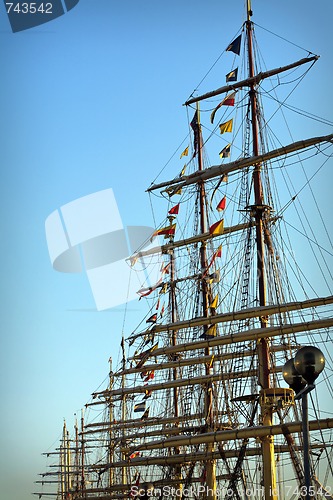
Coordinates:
(300, 373)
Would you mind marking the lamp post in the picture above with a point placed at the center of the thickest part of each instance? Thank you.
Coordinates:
(300, 373)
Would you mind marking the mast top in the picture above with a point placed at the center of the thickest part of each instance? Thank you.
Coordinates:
(249, 10)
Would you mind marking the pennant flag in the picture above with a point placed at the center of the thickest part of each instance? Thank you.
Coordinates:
(225, 152)
(157, 305)
(171, 191)
(149, 376)
(213, 305)
(222, 204)
(184, 153)
(166, 231)
(164, 288)
(135, 454)
(174, 210)
(143, 292)
(226, 127)
(133, 260)
(214, 277)
(145, 355)
(211, 361)
(162, 311)
(140, 406)
(232, 76)
(183, 171)
(195, 127)
(136, 478)
(216, 254)
(210, 333)
(217, 228)
(152, 319)
(165, 269)
(145, 415)
(147, 394)
(229, 100)
(235, 45)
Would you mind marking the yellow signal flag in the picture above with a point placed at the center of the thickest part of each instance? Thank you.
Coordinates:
(185, 152)
(171, 190)
(183, 171)
(226, 127)
(217, 228)
(213, 305)
(211, 332)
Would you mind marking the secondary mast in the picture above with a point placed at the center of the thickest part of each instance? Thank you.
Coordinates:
(206, 296)
(259, 211)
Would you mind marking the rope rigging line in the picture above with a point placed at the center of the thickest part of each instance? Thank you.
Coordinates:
(284, 208)
(211, 68)
(299, 111)
(308, 238)
(284, 39)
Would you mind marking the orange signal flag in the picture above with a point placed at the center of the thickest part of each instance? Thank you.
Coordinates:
(174, 210)
(152, 319)
(229, 100)
(217, 228)
(221, 206)
(216, 254)
(167, 231)
(149, 376)
(165, 269)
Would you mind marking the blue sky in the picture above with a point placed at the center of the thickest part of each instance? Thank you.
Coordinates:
(89, 101)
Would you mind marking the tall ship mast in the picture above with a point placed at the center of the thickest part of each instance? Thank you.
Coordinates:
(215, 395)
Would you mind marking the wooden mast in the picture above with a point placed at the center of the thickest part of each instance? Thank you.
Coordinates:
(210, 464)
(123, 411)
(172, 305)
(111, 418)
(259, 211)
(83, 479)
